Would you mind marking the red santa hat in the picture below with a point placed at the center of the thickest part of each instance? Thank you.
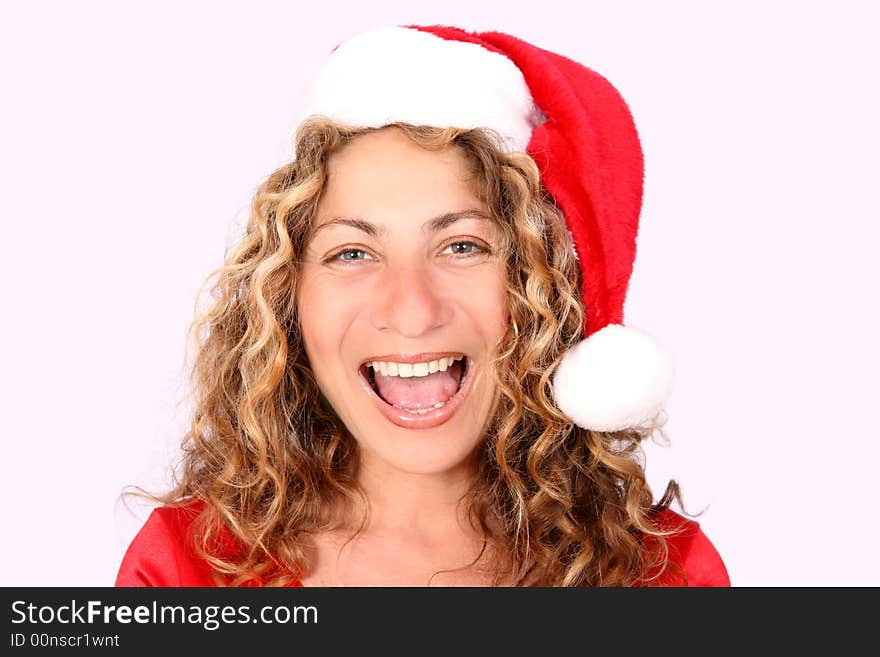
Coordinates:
(579, 131)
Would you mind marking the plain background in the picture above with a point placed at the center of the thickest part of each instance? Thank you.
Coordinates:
(132, 137)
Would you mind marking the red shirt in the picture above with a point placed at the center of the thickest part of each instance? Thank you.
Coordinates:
(161, 554)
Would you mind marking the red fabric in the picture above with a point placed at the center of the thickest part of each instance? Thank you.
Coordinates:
(692, 551)
(162, 554)
(163, 551)
(590, 158)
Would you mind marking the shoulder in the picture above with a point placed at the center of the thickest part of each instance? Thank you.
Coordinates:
(691, 551)
(163, 551)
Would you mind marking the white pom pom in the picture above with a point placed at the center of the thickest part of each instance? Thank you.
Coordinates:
(618, 378)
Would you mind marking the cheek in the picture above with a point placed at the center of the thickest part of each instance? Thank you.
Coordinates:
(491, 303)
(323, 316)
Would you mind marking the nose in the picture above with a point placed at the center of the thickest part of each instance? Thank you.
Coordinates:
(410, 303)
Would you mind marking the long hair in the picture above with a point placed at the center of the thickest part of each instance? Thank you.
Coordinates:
(272, 462)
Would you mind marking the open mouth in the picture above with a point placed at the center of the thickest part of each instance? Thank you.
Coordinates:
(415, 392)
(415, 396)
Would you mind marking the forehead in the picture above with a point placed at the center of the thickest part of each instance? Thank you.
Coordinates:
(386, 179)
(389, 146)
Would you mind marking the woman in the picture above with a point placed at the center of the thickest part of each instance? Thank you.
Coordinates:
(392, 386)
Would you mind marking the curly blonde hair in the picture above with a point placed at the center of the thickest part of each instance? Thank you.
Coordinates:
(272, 462)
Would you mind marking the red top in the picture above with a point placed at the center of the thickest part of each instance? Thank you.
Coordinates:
(162, 554)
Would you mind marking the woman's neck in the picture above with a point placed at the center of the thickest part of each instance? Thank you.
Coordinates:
(414, 530)
(420, 506)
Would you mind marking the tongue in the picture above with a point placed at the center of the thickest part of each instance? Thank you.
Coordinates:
(420, 391)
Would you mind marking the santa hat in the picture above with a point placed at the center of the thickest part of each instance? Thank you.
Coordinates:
(579, 131)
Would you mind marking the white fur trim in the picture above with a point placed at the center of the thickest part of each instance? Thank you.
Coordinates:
(398, 74)
(618, 378)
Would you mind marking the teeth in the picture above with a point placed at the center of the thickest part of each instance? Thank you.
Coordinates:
(406, 370)
(421, 411)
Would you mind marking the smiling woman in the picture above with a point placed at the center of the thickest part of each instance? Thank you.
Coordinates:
(399, 328)
(384, 383)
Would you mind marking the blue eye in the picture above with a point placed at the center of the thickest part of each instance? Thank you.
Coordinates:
(343, 255)
(474, 250)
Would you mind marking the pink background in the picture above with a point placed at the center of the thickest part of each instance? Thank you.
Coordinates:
(132, 139)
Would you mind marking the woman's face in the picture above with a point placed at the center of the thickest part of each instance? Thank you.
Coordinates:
(402, 277)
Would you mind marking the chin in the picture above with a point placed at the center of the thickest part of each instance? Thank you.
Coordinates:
(422, 459)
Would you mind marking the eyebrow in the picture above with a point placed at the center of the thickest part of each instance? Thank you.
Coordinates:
(433, 225)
